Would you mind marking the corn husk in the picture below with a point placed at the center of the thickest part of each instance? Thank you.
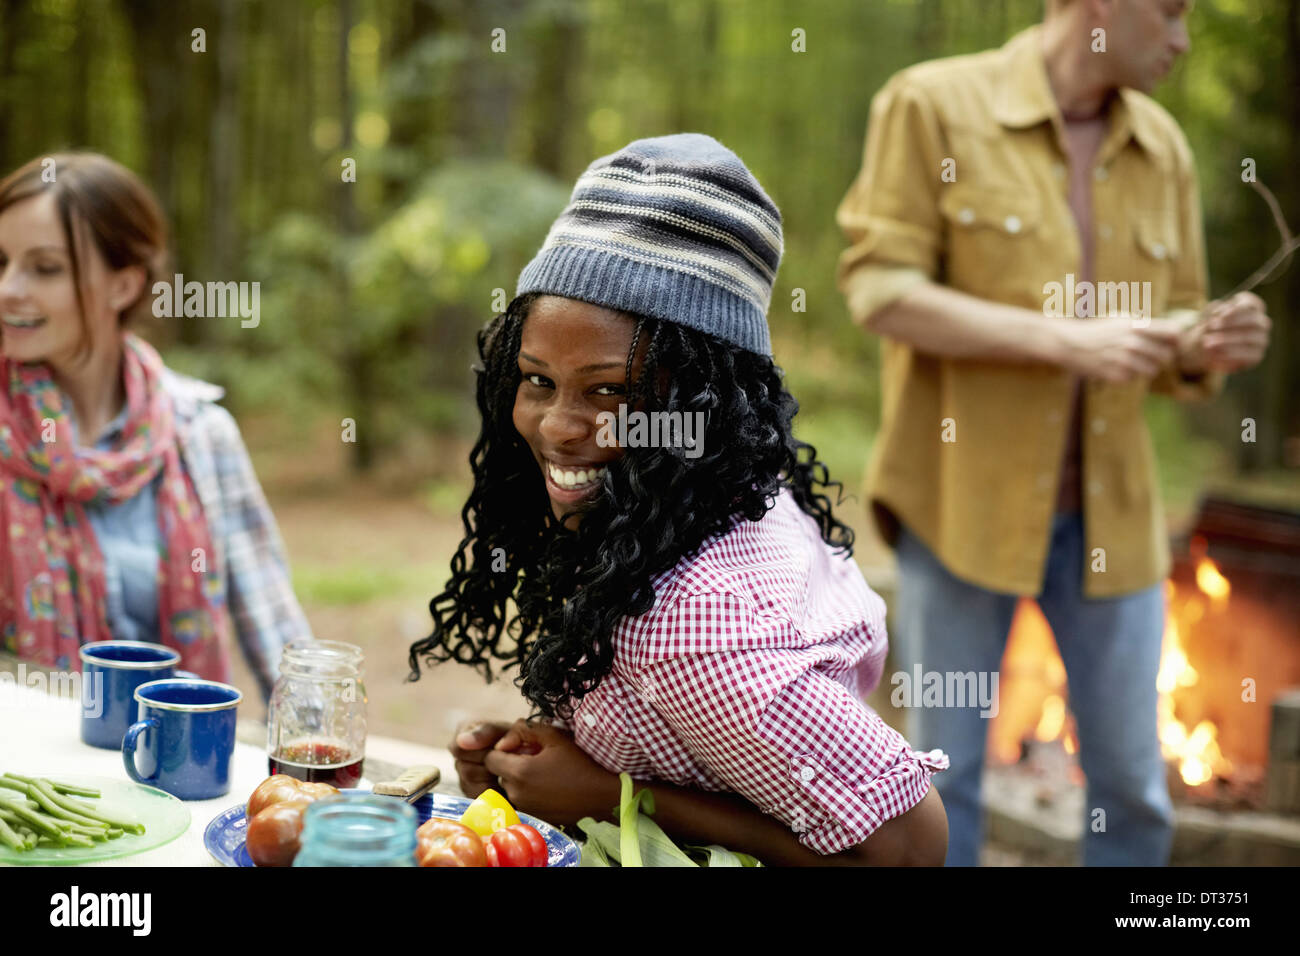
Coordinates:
(638, 841)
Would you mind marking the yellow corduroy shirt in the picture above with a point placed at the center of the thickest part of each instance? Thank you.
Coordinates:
(964, 183)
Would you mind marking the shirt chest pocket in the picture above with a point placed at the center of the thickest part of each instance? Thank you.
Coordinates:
(995, 243)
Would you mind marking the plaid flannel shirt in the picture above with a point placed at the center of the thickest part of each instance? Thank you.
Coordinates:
(250, 552)
(747, 675)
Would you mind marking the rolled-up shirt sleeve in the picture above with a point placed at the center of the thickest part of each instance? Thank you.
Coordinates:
(775, 729)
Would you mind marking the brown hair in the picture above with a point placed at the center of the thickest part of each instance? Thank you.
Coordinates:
(94, 194)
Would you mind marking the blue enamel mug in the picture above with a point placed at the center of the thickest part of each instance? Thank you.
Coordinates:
(184, 737)
(110, 673)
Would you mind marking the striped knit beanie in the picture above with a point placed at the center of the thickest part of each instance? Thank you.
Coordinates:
(673, 228)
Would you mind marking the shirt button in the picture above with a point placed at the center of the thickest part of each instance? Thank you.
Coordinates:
(1054, 417)
(1101, 174)
(1158, 250)
(1012, 223)
(1098, 425)
(966, 216)
(1044, 482)
(807, 773)
(1104, 231)
(1058, 170)
(1094, 487)
(590, 719)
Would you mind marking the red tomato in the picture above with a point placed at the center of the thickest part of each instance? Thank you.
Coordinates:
(280, 787)
(274, 789)
(518, 845)
(273, 835)
(541, 852)
(317, 791)
(442, 842)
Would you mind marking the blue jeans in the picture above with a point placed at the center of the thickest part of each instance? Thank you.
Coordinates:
(1111, 651)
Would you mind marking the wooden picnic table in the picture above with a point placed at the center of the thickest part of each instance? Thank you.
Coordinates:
(40, 734)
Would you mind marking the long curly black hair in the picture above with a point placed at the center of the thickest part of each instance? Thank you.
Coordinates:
(656, 506)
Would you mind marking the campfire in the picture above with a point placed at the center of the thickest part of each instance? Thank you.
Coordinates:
(1231, 650)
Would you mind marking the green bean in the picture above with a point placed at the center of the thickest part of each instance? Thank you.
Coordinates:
(37, 821)
(15, 779)
(17, 776)
(75, 806)
(37, 809)
(45, 813)
(44, 798)
(65, 841)
(95, 833)
(72, 789)
(11, 839)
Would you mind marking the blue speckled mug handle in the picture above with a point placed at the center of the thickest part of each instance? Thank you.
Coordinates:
(128, 748)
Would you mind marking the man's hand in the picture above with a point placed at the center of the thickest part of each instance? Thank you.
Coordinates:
(1117, 349)
(543, 772)
(1231, 335)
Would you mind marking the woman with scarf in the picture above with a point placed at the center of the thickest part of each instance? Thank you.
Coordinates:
(129, 508)
(680, 600)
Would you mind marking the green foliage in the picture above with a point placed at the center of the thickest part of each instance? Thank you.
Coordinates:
(359, 583)
(375, 320)
(399, 305)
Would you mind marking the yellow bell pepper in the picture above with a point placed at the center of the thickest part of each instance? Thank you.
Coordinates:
(489, 813)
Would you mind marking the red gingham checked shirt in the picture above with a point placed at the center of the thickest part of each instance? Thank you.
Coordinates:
(747, 675)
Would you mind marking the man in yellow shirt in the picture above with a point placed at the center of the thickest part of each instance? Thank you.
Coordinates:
(1025, 233)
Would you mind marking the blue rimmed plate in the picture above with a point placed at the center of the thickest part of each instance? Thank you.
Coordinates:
(224, 836)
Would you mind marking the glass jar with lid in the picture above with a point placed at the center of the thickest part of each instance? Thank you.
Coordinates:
(358, 830)
(316, 724)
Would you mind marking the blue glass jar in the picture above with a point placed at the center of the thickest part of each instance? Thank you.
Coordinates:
(358, 830)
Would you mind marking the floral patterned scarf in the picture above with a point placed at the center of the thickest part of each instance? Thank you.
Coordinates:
(52, 578)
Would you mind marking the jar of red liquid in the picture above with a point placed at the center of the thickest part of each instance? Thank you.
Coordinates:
(316, 725)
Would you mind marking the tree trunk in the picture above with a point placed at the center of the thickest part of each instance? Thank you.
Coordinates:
(552, 109)
(409, 122)
(158, 34)
(10, 13)
(82, 47)
(223, 156)
(360, 392)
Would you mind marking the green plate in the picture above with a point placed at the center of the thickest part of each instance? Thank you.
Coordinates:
(164, 818)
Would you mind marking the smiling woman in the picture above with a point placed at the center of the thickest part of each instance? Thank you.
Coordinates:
(695, 612)
(128, 506)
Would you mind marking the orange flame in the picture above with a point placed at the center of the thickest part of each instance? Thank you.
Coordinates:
(1212, 583)
(1197, 752)
(1038, 675)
